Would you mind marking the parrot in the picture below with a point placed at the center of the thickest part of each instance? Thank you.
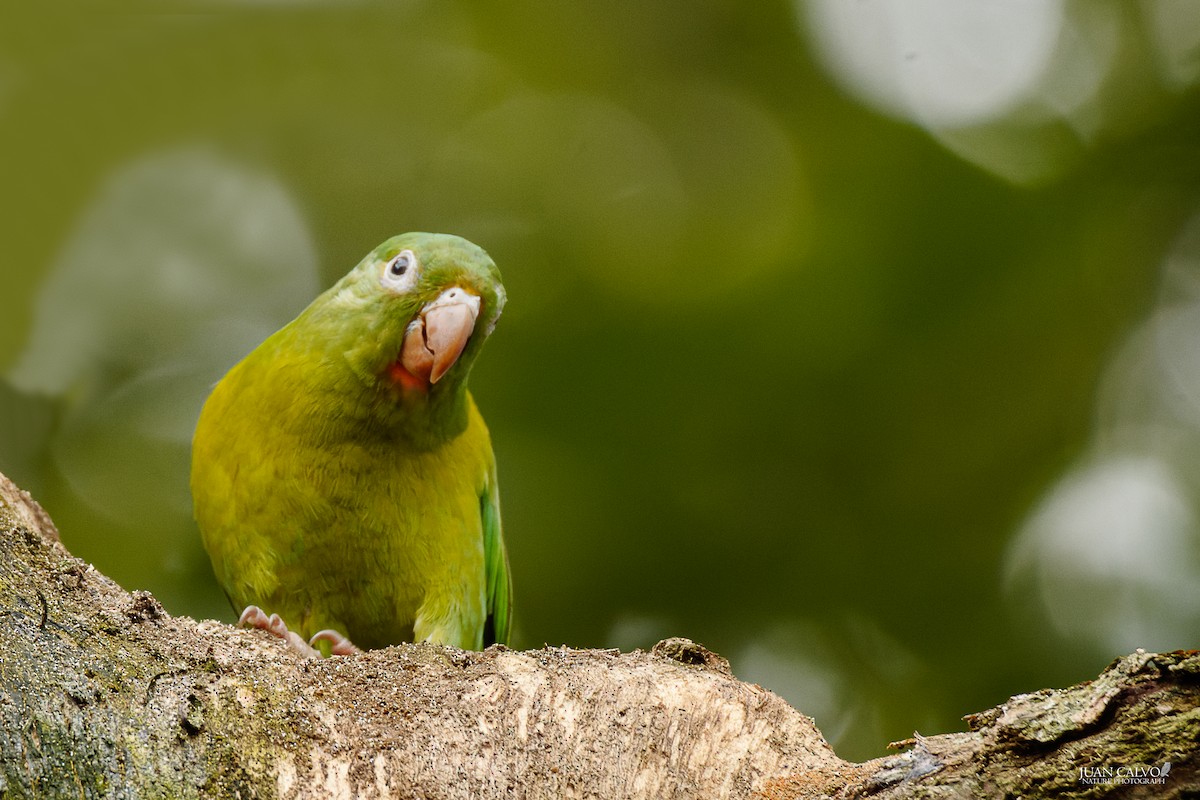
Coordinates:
(343, 479)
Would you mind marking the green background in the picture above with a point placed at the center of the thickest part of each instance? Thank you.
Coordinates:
(779, 371)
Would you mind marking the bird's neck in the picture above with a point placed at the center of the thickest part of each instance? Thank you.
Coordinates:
(426, 418)
(360, 399)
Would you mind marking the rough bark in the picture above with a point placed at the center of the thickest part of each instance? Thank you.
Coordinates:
(103, 694)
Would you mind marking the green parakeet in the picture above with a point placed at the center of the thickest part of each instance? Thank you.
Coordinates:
(343, 479)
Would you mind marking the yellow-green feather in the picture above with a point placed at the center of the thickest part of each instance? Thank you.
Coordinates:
(495, 556)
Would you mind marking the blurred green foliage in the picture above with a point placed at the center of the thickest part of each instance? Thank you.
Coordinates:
(777, 373)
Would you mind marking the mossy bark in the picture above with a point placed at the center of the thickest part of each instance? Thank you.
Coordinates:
(102, 694)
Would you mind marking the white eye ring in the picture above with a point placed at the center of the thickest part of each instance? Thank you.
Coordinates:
(400, 274)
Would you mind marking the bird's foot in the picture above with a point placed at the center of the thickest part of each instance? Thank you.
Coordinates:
(255, 617)
(339, 645)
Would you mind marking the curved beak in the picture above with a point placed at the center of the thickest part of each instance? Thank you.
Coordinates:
(437, 335)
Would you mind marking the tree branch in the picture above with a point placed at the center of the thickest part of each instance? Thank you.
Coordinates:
(104, 694)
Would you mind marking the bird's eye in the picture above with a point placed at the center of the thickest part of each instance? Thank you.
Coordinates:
(401, 272)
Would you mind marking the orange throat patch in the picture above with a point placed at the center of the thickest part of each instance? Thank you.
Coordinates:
(406, 380)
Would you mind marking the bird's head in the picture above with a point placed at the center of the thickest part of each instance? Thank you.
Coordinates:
(423, 304)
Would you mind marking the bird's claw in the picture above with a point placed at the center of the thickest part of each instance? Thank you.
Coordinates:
(255, 617)
(339, 645)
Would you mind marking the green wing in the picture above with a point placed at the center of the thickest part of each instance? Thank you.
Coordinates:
(495, 559)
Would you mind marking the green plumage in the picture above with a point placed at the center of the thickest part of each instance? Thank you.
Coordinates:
(343, 482)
